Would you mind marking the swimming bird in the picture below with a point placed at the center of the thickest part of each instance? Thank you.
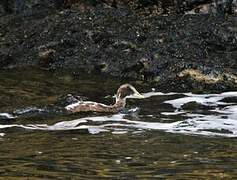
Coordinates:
(123, 92)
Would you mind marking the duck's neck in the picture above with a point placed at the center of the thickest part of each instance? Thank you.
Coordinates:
(120, 103)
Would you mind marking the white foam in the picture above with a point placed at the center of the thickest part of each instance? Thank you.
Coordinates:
(204, 99)
(173, 113)
(27, 110)
(7, 115)
(221, 120)
(194, 125)
(150, 94)
(227, 110)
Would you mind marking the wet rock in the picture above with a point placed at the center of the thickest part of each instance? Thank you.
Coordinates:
(196, 75)
(5, 59)
(199, 81)
(173, 53)
(46, 57)
(141, 7)
(194, 106)
(230, 100)
(215, 7)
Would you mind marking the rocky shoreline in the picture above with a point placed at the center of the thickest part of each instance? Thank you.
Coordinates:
(177, 52)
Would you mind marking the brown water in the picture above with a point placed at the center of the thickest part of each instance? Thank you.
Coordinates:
(164, 136)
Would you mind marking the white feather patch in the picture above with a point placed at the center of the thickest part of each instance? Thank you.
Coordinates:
(80, 103)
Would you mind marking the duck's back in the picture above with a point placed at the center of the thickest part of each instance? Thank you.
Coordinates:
(85, 106)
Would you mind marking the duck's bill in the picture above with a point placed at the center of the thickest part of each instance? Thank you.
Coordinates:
(138, 95)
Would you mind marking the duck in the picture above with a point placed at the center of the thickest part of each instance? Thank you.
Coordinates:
(123, 92)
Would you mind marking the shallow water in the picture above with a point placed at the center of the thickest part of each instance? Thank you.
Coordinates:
(166, 135)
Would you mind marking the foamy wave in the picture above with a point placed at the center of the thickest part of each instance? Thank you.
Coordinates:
(219, 120)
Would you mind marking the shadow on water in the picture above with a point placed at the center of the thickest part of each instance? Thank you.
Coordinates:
(165, 135)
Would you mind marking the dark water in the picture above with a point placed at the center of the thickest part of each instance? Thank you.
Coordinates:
(164, 136)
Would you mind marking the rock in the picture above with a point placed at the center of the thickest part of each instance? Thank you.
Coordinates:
(46, 57)
(5, 59)
(178, 53)
(230, 100)
(196, 75)
(221, 80)
(194, 106)
(141, 7)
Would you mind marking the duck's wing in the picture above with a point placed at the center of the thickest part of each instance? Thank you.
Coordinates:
(84, 106)
(73, 105)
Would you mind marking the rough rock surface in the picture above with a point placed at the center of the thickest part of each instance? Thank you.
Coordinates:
(141, 7)
(114, 41)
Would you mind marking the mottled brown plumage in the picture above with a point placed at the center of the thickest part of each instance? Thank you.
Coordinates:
(123, 91)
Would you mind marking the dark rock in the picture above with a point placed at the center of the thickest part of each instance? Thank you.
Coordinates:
(116, 42)
(5, 59)
(141, 7)
(46, 57)
(230, 100)
(194, 106)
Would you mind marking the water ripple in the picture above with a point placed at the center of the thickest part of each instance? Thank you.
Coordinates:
(221, 119)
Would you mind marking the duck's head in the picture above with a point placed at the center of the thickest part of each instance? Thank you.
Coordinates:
(126, 90)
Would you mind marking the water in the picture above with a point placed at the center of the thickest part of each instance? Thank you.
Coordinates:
(166, 135)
